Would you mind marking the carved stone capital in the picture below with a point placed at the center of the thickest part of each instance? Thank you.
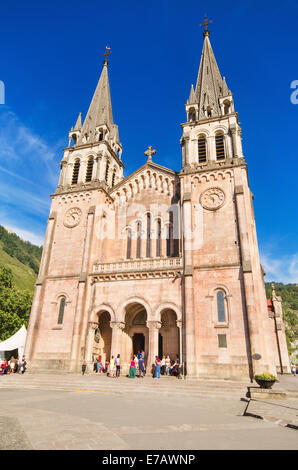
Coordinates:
(117, 325)
(154, 325)
(92, 325)
(179, 323)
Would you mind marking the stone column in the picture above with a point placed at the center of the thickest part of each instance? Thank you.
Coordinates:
(92, 326)
(179, 325)
(79, 312)
(117, 328)
(39, 290)
(234, 141)
(154, 327)
(186, 150)
(248, 281)
(98, 165)
(188, 301)
(63, 165)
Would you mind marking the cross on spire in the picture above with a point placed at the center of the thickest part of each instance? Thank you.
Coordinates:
(106, 54)
(205, 24)
(149, 152)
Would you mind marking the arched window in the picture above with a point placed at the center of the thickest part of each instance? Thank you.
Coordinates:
(220, 146)
(226, 107)
(209, 111)
(61, 310)
(73, 140)
(158, 238)
(148, 240)
(202, 148)
(75, 173)
(107, 171)
(221, 311)
(139, 239)
(89, 169)
(192, 115)
(128, 244)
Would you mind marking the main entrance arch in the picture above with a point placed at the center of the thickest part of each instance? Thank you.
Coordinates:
(136, 333)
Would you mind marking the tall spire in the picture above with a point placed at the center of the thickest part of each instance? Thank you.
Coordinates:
(100, 110)
(210, 86)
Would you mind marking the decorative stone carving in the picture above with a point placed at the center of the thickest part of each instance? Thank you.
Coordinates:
(154, 324)
(72, 217)
(212, 199)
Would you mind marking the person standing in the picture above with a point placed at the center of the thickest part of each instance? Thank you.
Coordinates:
(112, 367)
(157, 368)
(117, 362)
(163, 365)
(24, 363)
(141, 368)
(98, 367)
(168, 364)
(132, 369)
(84, 365)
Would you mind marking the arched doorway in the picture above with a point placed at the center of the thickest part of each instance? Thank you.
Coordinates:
(103, 337)
(136, 333)
(169, 333)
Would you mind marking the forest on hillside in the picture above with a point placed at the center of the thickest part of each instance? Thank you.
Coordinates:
(25, 252)
(289, 295)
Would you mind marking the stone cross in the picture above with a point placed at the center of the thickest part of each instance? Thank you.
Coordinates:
(149, 152)
(107, 53)
(206, 22)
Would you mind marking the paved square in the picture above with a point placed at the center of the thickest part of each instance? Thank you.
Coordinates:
(92, 412)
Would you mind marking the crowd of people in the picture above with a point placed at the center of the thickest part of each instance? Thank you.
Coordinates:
(13, 366)
(164, 366)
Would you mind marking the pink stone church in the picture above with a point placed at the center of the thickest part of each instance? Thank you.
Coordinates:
(161, 261)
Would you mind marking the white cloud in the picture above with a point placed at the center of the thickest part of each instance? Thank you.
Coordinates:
(281, 269)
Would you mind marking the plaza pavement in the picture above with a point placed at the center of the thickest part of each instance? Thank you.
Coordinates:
(71, 411)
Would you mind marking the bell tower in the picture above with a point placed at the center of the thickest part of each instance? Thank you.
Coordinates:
(93, 155)
(211, 134)
(224, 296)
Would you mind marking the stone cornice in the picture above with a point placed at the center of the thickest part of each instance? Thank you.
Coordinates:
(143, 275)
(80, 187)
(213, 166)
(95, 144)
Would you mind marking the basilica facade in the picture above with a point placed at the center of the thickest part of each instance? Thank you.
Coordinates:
(160, 260)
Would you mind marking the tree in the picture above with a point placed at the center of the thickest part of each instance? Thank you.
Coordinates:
(15, 305)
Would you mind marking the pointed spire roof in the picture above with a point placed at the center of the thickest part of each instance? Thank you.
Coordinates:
(210, 86)
(100, 109)
(78, 123)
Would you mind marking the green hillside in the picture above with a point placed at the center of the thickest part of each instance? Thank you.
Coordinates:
(25, 252)
(23, 276)
(289, 295)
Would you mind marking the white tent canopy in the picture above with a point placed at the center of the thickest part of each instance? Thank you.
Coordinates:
(16, 341)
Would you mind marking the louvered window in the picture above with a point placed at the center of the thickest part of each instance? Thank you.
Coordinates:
(107, 172)
(202, 149)
(113, 178)
(89, 169)
(75, 174)
(220, 147)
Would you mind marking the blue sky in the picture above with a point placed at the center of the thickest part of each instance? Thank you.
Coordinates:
(50, 61)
